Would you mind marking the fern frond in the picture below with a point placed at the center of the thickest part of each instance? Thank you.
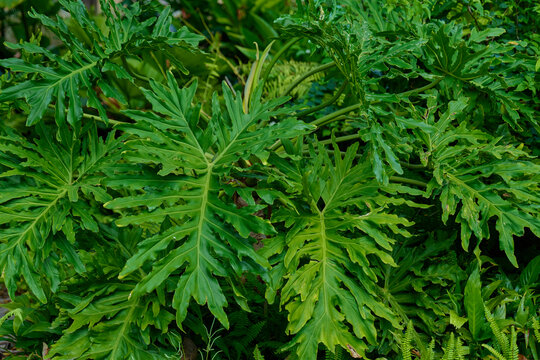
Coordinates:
(513, 351)
(460, 353)
(253, 332)
(406, 340)
(430, 354)
(335, 355)
(284, 74)
(494, 352)
(257, 355)
(328, 355)
(536, 328)
(449, 351)
(501, 339)
(240, 319)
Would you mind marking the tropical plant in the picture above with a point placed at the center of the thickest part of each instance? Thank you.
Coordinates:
(153, 206)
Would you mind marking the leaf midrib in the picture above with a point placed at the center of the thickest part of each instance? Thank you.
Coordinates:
(122, 330)
(71, 74)
(35, 222)
(202, 213)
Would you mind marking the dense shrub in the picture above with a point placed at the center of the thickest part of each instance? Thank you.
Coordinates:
(365, 167)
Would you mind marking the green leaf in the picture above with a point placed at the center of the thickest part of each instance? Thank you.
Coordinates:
(479, 177)
(36, 211)
(380, 149)
(479, 36)
(474, 304)
(109, 328)
(196, 156)
(529, 275)
(455, 58)
(324, 299)
(65, 79)
(457, 320)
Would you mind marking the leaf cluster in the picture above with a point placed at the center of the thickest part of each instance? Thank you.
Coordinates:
(151, 207)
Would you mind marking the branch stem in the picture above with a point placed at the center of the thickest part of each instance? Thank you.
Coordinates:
(340, 139)
(330, 117)
(411, 166)
(98, 118)
(111, 121)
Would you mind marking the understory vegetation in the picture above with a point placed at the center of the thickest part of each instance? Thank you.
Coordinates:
(249, 179)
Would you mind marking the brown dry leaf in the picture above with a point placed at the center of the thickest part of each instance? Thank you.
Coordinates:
(45, 351)
(189, 348)
(353, 352)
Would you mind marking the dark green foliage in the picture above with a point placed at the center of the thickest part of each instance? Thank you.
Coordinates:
(51, 190)
(162, 198)
(91, 60)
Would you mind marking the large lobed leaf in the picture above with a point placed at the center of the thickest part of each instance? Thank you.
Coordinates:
(105, 323)
(337, 228)
(50, 190)
(490, 178)
(209, 237)
(67, 77)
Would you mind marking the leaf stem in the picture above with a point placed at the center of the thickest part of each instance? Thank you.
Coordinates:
(330, 117)
(308, 74)
(423, 88)
(404, 180)
(94, 117)
(325, 104)
(277, 56)
(340, 139)
(276, 145)
(159, 65)
(412, 166)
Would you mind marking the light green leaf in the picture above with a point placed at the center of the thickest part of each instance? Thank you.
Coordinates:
(322, 299)
(457, 320)
(479, 36)
(208, 227)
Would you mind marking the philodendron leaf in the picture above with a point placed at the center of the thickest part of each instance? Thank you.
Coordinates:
(329, 275)
(474, 304)
(478, 177)
(111, 328)
(128, 33)
(210, 238)
(46, 191)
